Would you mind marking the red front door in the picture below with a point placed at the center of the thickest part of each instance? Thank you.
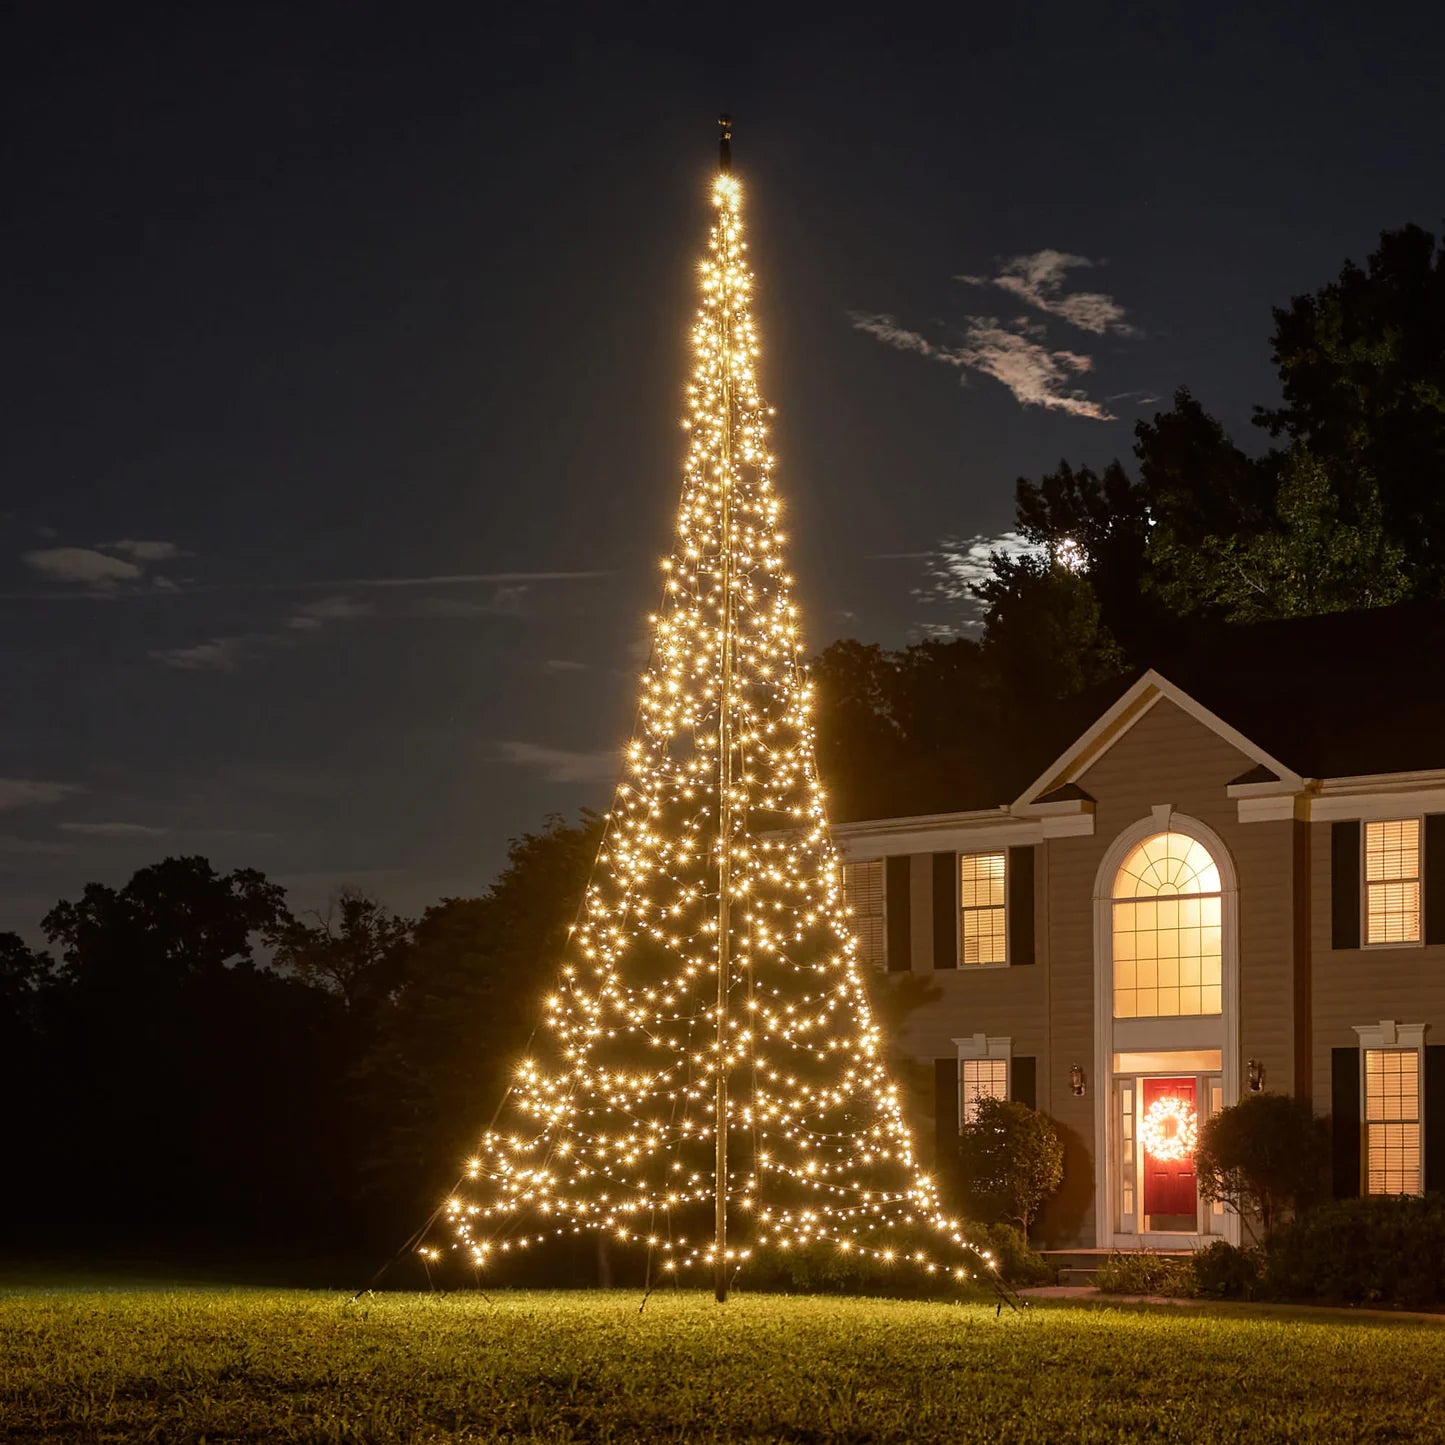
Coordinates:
(1171, 1200)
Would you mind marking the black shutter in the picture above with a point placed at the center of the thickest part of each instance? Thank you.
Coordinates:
(1345, 1121)
(945, 1111)
(1022, 1085)
(945, 910)
(898, 905)
(1345, 885)
(1435, 1118)
(1435, 878)
(1021, 905)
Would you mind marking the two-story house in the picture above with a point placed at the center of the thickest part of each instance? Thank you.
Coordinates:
(1233, 879)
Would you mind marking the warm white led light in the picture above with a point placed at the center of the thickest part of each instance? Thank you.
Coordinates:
(613, 1128)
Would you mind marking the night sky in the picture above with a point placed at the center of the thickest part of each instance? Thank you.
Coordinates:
(344, 350)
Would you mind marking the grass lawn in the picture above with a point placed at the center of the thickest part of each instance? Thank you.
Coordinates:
(213, 1364)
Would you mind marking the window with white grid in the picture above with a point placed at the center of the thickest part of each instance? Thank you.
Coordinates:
(1168, 930)
(983, 932)
(863, 895)
(982, 1079)
(1392, 1121)
(1392, 881)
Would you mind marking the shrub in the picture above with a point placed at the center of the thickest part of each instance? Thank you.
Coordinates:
(1383, 1249)
(1144, 1272)
(1224, 1271)
(1011, 1159)
(1016, 1262)
(1263, 1155)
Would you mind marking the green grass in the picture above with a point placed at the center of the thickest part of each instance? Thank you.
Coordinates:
(268, 1365)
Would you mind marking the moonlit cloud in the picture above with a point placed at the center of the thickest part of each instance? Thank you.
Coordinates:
(313, 616)
(1038, 280)
(31, 792)
(82, 566)
(216, 654)
(958, 565)
(114, 830)
(1010, 354)
(144, 551)
(558, 765)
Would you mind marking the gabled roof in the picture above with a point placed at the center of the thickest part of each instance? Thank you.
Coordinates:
(1137, 700)
(1348, 695)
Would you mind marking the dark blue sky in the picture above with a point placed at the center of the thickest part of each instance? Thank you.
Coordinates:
(310, 309)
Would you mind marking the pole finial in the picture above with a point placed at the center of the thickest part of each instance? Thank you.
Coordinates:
(725, 143)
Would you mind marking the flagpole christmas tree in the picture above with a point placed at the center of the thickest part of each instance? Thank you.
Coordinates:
(711, 1082)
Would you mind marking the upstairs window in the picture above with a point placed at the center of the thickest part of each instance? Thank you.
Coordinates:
(1392, 1121)
(982, 928)
(1168, 930)
(863, 894)
(1392, 881)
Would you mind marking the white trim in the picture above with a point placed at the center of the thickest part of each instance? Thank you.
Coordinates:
(1376, 806)
(985, 1046)
(944, 833)
(1274, 808)
(1120, 718)
(1193, 1030)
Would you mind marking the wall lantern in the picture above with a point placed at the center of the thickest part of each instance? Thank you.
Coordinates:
(1256, 1076)
(1076, 1080)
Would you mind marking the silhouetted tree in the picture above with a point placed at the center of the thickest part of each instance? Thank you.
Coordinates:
(1362, 366)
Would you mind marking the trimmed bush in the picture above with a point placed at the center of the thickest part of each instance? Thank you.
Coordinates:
(1144, 1272)
(1264, 1156)
(1010, 1159)
(1383, 1249)
(1224, 1271)
(1017, 1263)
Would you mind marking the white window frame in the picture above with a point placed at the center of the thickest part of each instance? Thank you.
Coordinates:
(1419, 821)
(882, 965)
(983, 1047)
(960, 910)
(1400, 1038)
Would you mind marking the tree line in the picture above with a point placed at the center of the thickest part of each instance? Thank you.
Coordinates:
(192, 1065)
(190, 1062)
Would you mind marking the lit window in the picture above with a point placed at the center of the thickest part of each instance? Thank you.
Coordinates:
(981, 902)
(863, 895)
(982, 1079)
(1392, 881)
(1168, 931)
(1392, 1121)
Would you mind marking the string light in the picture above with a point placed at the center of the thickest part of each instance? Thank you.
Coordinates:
(611, 1129)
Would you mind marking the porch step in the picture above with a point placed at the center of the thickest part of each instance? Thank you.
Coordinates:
(1073, 1275)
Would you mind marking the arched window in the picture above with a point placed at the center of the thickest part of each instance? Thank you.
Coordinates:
(1168, 942)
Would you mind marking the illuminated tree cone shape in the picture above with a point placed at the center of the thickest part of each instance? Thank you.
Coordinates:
(713, 971)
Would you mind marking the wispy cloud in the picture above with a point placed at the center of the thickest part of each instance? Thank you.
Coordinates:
(83, 567)
(558, 765)
(119, 571)
(563, 664)
(144, 551)
(109, 569)
(114, 830)
(216, 654)
(957, 566)
(1038, 280)
(312, 616)
(31, 792)
(1010, 354)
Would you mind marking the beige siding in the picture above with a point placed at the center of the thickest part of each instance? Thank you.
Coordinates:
(1166, 758)
(1363, 985)
(920, 910)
